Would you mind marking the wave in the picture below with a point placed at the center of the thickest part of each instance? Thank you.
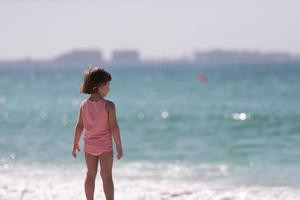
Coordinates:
(136, 180)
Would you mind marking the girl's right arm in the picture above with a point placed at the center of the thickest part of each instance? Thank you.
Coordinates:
(78, 131)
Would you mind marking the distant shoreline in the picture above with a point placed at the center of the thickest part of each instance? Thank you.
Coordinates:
(132, 58)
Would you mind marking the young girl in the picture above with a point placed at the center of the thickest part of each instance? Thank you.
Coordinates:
(97, 116)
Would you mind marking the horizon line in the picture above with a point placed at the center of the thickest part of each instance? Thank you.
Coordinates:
(183, 56)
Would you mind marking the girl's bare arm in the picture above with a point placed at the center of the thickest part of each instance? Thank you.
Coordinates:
(114, 127)
(78, 131)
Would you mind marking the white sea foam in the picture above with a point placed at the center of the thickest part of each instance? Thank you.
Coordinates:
(140, 181)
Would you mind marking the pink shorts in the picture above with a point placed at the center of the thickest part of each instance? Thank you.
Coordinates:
(96, 146)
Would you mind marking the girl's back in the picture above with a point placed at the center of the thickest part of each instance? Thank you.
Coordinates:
(95, 117)
(97, 137)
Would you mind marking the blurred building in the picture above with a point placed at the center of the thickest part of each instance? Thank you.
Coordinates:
(80, 57)
(125, 57)
(228, 57)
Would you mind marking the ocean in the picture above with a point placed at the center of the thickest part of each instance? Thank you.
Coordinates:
(232, 136)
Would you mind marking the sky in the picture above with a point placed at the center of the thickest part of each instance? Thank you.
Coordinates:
(41, 29)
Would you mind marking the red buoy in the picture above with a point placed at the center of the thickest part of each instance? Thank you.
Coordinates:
(202, 77)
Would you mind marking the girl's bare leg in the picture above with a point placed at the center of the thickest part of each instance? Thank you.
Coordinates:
(106, 162)
(89, 184)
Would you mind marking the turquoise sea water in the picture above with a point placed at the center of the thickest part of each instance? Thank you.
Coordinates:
(241, 126)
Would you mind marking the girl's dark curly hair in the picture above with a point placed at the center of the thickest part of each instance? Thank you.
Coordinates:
(93, 78)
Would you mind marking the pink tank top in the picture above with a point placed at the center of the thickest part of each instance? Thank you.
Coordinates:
(97, 136)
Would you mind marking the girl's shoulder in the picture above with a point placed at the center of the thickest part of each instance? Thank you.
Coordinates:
(83, 102)
(110, 105)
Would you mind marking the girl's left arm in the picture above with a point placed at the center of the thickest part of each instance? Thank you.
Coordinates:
(78, 131)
